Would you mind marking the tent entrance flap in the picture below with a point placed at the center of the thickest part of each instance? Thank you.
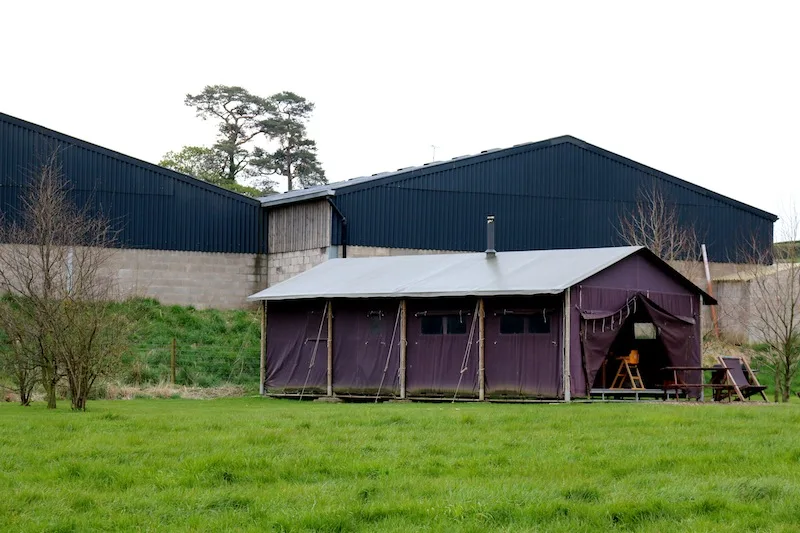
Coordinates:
(661, 338)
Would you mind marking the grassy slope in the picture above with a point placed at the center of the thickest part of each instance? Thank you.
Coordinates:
(213, 346)
(271, 465)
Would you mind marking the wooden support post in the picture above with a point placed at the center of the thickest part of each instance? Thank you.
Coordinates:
(263, 366)
(403, 344)
(481, 352)
(565, 342)
(330, 348)
(174, 359)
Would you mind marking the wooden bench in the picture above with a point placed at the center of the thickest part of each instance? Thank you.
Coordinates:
(678, 385)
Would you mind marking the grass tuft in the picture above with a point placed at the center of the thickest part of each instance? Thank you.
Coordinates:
(582, 494)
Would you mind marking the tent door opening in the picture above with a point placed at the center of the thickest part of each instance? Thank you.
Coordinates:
(635, 358)
(657, 338)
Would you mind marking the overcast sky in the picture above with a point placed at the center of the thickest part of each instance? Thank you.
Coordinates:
(704, 91)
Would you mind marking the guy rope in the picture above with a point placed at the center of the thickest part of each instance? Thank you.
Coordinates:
(389, 354)
(325, 312)
(465, 362)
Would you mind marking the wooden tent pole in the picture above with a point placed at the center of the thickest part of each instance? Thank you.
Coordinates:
(565, 376)
(330, 348)
(481, 352)
(403, 344)
(263, 366)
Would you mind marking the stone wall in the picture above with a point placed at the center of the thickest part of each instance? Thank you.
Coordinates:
(378, 251)
(285, 265)
(734, 310)
(201, 279)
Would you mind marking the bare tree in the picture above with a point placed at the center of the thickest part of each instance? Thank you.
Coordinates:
(16, 360)
(57, 306)
(774, 304)
(655, 224)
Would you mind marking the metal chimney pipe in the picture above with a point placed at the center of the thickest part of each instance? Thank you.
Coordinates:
(490, 251)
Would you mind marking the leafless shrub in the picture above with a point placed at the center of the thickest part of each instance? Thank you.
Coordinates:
(654, 223)
(774, 304)
(57, 310)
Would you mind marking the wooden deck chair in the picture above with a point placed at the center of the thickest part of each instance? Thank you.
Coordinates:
(743, 385)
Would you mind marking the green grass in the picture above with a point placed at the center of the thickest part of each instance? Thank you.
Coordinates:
(213, 346)
(253, 464)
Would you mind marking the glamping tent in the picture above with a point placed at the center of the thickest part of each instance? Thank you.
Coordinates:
(545, 324)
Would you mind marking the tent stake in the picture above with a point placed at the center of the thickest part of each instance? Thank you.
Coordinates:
(481, 352)
(403, 343)
(263, 365)
(330, 348)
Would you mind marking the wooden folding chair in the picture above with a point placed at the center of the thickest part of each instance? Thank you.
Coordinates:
(743, 385)
(628, 370)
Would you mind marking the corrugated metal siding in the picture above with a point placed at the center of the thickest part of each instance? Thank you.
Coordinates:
(300, 227)
(151, 207)
(558, 196)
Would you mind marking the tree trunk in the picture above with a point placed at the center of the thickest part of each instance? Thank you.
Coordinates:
(776, 395)
(289, 164)
(231, 164)
(786, 386)
(25, 388)
(79, 402)
(25, 398)
(79, 391)
(49, 384)
(51, 396)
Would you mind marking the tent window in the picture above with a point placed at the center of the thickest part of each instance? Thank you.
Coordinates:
(456, 324)
(644, 330)
(432, 325)
(512, 324)
(538, 324)
(444, 324)
(375, 325)
(313, 320)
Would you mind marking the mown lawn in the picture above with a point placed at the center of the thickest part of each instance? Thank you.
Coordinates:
(252, 464)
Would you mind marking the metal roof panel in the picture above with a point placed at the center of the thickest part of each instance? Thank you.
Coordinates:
(469, 274)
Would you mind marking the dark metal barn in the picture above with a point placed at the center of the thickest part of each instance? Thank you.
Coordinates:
(564, 192)
(151, 207)
(526, 325)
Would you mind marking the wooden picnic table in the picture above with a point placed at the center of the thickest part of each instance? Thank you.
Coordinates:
(678, 384)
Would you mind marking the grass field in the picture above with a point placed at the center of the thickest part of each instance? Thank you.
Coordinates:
(255, 464)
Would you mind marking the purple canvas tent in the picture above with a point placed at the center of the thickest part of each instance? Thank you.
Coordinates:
(296, 357)
(366, 346)
(439, 347)
(529, 325)
(608, 292)
(523, 339)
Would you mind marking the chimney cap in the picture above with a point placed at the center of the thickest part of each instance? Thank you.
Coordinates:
(490, 251)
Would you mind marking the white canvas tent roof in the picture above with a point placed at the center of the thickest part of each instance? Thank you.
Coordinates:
(463, 274)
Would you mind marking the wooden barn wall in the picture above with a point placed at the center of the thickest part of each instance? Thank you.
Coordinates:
(299, 227)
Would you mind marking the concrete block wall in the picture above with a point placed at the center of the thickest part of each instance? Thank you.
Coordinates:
(379, 251)
(204, 280)
(734, 313)
(201, 279)
(285, 265)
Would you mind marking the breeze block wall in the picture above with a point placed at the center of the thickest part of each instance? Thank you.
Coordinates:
(201, 279)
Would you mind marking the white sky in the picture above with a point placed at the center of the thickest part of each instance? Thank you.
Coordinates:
(705, 91)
